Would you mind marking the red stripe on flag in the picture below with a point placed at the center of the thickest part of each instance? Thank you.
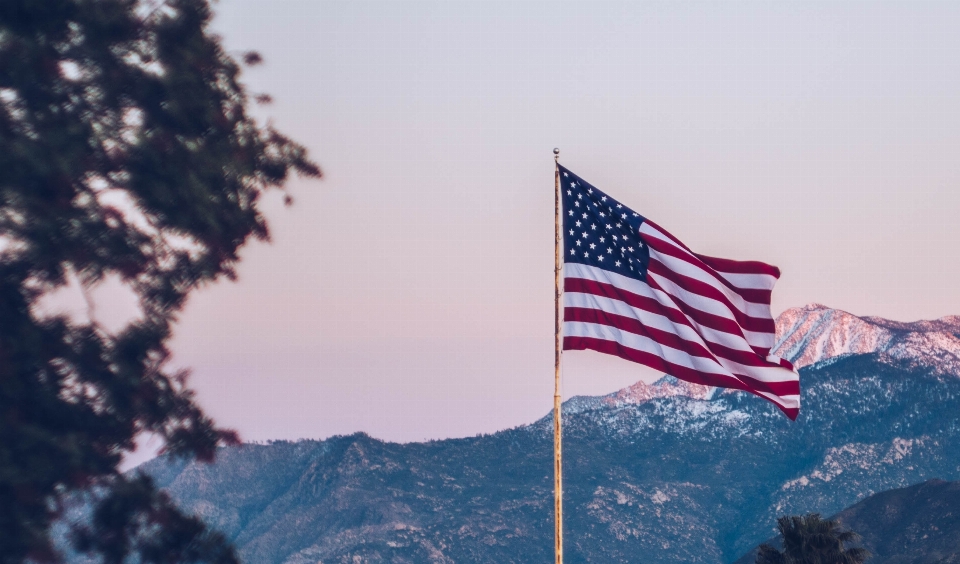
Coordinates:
(683, 314)
(778, 387)
(666, 234)
(749, 294)
(724, 265)
(740, 266)
(672, 340)
(758, 324)
(681, 372)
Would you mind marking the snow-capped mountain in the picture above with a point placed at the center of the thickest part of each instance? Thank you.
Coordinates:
(662, 473)
(810, 334)
(651, 475)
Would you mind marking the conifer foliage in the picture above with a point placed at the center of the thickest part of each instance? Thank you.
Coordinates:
(126, 153)
(809, 539)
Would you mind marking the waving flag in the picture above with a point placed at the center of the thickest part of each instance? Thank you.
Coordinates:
(634, 291)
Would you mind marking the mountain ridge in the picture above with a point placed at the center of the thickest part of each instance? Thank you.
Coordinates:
(671, 472)
(812, 333)
(675, 479)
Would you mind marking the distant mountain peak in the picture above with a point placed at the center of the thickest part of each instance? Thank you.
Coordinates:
(813, 333)
(665, 387)
(639, 393)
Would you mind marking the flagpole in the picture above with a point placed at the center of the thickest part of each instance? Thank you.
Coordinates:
(557, 468)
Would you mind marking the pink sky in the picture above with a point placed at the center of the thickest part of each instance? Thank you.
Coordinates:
(410, 293)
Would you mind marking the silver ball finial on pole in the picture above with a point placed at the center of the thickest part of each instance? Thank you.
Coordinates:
(556, 153)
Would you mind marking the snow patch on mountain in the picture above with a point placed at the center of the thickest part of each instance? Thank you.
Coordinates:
(862, 457)
(639, 393)
(848, 468)
(666, 387)
(813, 333)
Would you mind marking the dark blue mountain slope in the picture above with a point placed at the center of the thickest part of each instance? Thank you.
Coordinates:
(667, 479)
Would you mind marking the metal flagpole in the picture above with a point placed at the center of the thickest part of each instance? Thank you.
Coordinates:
(557, 468)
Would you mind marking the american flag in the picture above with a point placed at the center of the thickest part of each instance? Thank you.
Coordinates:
(634, 291)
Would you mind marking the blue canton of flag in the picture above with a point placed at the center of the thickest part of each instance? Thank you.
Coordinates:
(600, 231)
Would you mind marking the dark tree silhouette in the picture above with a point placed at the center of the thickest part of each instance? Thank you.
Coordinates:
(126, 152)
(812, 540)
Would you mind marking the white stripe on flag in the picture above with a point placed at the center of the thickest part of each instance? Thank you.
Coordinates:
(706, 305)
(728, 366)
(684, 268)
(710, 305)
(694, 333)
(756, 281)
(749, 281)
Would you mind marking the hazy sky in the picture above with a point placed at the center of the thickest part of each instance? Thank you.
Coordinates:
(409, 294)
